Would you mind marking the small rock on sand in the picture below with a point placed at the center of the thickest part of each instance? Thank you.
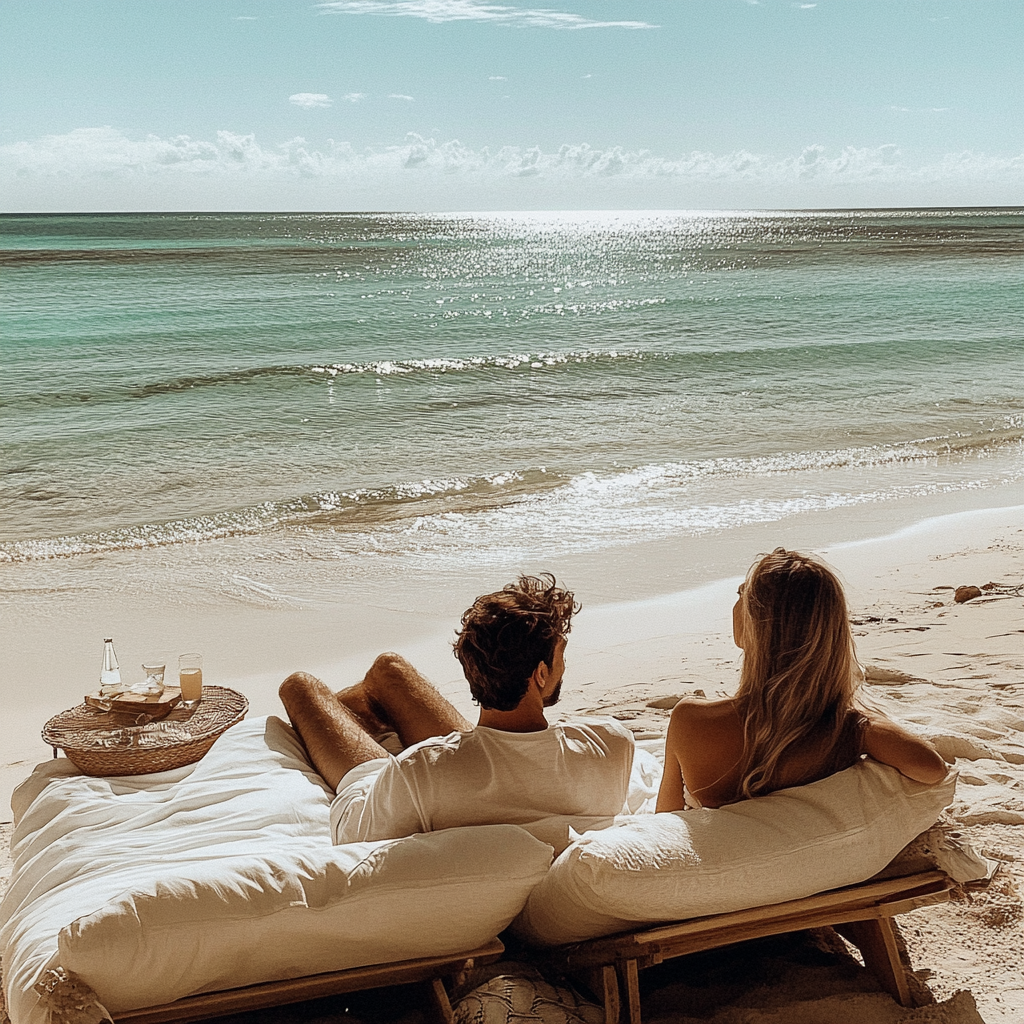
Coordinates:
(664, 703)
(881, 674)
(963, 594)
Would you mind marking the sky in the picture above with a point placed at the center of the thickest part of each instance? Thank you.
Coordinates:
(138, 105)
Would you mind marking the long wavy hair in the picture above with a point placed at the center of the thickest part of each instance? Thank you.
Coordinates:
(799, 675)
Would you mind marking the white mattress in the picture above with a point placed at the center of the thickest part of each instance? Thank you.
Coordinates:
(222, 874)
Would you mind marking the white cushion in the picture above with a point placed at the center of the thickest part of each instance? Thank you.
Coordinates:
(286, 915)
(789, 844)
(223, 874)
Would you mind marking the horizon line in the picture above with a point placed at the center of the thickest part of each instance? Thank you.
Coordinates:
(480, 213)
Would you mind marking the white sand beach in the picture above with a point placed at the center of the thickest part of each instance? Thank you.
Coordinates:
(954, 672)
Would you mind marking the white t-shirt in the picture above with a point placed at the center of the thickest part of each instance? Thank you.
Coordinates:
(487, 776)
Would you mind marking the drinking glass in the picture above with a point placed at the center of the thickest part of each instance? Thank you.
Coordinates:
(154, 669)
(190, 677)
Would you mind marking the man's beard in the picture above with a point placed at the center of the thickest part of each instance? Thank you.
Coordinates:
(552, 698)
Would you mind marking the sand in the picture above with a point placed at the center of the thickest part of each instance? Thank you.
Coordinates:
(953, 672)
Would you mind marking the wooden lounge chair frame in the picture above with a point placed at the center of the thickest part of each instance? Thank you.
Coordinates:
(428, 971)
(860, 913)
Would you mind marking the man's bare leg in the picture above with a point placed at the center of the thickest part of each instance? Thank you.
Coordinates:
(393, 695)
(335, 739)
(357, 701)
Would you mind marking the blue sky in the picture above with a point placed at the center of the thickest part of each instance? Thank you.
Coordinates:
(464, 104)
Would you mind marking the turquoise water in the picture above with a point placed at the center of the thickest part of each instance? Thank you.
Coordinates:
(419, 387)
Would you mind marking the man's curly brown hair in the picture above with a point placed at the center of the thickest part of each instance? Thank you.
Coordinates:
(506, 635)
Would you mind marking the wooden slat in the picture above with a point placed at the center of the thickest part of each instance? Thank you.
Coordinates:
(610, 993)
(634, 945)
(603, 984)
(835, 898)
(630, 975)
(438, 996)
(891, 906)
(695, 943)
(877, 944)
(317, 986)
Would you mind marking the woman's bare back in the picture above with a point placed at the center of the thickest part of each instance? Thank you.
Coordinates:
(704, 750)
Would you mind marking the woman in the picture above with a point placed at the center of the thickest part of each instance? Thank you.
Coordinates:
(793, 719)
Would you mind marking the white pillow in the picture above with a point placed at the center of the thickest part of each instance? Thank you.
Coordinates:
(221, 874)
(789, 844)
(290, 914)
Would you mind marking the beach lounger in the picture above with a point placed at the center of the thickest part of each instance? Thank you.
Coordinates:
(862, 914)
(851, 851)
(214, 888)
(429, 972)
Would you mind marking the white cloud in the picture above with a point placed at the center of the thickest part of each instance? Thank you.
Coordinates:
(354, 97)
(920, 110)
(400, 96)
(805, 7)
(101, 168)
(310, 100)
(440, 11)
(497, 78)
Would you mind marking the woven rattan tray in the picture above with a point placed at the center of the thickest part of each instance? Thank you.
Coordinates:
(108, 743)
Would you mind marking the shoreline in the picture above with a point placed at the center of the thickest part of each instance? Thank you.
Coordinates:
(680, 638)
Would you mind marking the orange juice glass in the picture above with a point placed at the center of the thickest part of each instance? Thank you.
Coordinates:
(190, 678)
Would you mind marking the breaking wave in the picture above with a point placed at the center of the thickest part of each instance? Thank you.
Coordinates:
(611, 498)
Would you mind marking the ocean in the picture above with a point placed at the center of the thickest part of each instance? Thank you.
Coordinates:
(300, 400)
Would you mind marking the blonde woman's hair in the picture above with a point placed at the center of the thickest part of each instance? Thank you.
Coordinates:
(799, 673)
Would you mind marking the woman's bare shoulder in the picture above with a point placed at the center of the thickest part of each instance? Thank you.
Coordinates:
(700, 710)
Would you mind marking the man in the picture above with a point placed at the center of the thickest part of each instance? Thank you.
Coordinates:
(511, 768)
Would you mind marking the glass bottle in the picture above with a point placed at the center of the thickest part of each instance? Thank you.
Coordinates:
(110, 674)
